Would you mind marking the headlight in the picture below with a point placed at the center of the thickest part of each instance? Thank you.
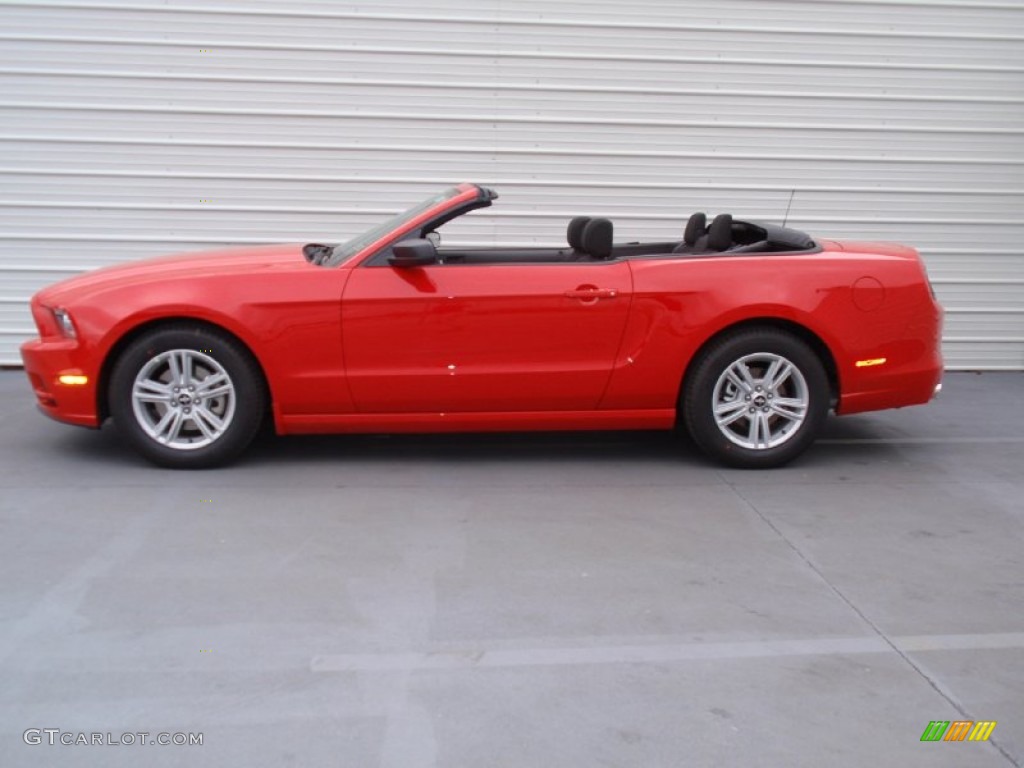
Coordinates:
(64, 323)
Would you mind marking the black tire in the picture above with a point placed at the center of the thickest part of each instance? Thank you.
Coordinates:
(212, 423)
(762, 431)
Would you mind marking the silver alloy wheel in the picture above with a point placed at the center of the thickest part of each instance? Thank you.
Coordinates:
(760, 401)
(183, 399)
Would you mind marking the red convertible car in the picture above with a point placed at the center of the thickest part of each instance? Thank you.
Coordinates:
(745, 334)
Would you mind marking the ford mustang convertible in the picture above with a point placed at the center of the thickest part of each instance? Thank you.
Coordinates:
(745, 334)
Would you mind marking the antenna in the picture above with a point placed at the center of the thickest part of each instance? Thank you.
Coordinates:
(790, 205)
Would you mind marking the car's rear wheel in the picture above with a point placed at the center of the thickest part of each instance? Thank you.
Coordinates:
(187, 396)
(756, 398)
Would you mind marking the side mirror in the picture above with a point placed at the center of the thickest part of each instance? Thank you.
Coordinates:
(413, 253)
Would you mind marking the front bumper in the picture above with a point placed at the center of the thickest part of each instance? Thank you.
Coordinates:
(46, 360)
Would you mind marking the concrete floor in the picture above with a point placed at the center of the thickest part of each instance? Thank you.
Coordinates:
(527, 601)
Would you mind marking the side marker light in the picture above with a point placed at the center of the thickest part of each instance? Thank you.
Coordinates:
(869, 363)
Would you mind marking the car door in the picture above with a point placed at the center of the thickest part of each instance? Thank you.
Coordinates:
(483, 338)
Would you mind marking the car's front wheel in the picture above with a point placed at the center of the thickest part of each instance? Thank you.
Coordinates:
(187, 396)
(756, 398)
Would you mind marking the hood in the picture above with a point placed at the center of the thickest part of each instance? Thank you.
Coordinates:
(191, 265)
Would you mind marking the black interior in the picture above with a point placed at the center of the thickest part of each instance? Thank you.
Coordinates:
(591, 239)
(597, 239)
(574, 234)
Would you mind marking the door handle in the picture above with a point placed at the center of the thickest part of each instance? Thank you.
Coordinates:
(591, 294)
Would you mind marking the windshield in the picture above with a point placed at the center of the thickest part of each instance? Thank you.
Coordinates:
(347, 250)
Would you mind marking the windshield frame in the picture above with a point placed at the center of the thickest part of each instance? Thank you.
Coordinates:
(371, 241)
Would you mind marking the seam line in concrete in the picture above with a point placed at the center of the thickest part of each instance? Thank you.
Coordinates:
(936, 685)
(917, 440)
(475, 658)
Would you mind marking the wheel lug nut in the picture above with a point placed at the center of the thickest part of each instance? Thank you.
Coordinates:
(765, 410)
(753, 410)
(748, 398)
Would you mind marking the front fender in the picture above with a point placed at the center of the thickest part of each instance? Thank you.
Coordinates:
(291, 325)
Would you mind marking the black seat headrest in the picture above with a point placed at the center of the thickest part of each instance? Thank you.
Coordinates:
(574, 234)
(696, 226)
(720, 232)
(597, 238)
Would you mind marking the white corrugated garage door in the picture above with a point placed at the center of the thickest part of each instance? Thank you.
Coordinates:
(131, 129)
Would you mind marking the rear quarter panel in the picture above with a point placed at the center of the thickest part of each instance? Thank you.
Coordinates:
(862, 306)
